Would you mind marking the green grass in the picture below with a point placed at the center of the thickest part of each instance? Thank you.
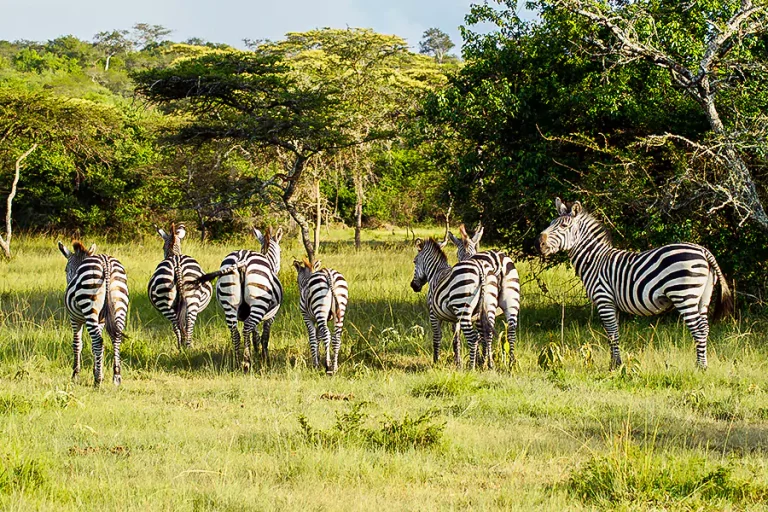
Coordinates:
(186, 432)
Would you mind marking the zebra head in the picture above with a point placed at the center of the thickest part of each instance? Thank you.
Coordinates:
(75, 257)
(427, 261)
(563, 231)
(270, 246)
(467, 246)
(172, 245)
(305, 269)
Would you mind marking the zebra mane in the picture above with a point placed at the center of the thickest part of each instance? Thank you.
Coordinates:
(78, 246)
(597, 229)
(267, 240)
(437, 249)
(308, 264)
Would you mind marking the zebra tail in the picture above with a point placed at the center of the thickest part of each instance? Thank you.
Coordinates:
(724, 306)
(110, 323)
(181, 300)
(485, 325)
(210, 276)
(337, 309)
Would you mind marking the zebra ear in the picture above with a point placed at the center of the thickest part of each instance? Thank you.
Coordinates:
(64, 250)
(560, 207)
(297, 265)
(278, 235)
(160, 232)
(454, 239)
(576, 209)
(258, 236)
(316, 265)
(419, 243)
(181, 231)
(92, 250)
(478, 234)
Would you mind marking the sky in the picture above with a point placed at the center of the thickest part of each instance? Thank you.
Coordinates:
(229, 21)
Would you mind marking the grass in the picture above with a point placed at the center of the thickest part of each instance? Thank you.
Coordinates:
(390, 431)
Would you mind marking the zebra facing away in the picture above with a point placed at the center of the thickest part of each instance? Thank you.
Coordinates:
(323, 295)
(249, 291)
(97, 298)
(504, 269)
(465, 294)
(680, 276)
(172, 289)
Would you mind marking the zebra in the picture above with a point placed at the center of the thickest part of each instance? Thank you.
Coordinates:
(172, 290)
(97, 297)
(465, 294)
(680, 276)
(249, 291)
(323, 295)
(504, 268)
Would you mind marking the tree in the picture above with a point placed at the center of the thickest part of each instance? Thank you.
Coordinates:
(435, 42)
(253, 97)
(703, 57)
(146, 35)
(5, 243)
(112, 43)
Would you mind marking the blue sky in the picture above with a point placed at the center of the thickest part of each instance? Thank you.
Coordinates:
(228, 21)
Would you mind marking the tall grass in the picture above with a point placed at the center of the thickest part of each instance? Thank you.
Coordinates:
(558, 431)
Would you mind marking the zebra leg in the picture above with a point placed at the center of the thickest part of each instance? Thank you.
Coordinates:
(336, 343)
(77, 347)
(488, 333)
(191, 319)
(470, 333)
(457, 345)
(312, 341)
(609, 317)
(437, 336)
(235, 332)
(324, 336)
(265, 330)
(250, 333)
(97, 347)
(512, 336)
(117, 378)
(699, 327)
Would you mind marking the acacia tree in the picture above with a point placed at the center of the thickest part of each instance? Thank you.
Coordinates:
(709, 49)
(112, 43)
(254, 97)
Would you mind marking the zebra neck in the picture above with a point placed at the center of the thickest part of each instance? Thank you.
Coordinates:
(586, 252)
(439, 273)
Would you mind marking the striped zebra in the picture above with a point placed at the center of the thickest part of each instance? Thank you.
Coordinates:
(680, 276)
(504, 269)
(323, 295)
(249, 291)
(465, 294)
(172, 289)
(97, 297)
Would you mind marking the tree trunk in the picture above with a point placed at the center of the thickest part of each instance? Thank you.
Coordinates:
(5, 243)
(290, 203)
(358, 208)
(106, 64)
(318, 217)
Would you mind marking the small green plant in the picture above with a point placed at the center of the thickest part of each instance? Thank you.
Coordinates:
(23, 475)
(551, 357)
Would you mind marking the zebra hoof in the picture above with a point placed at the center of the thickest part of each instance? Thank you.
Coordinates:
(117, 380)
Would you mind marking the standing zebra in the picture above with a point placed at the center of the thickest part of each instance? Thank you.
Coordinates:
(504, 269)
(465, 294)
(249, 291)
(97, 297)
(323, 295)
(680, 276)
(172, 289)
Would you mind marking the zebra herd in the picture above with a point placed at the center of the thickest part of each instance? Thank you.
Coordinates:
(468, 294)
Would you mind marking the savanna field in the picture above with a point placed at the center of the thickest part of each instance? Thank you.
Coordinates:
(186, 431)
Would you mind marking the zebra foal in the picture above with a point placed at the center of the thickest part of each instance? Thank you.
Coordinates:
(96, 297)
(506, 274)
(680, 276)
(465, 294)
(323, 295)
(173, 288)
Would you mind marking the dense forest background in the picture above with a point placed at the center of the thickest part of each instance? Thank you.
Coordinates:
(651, 113)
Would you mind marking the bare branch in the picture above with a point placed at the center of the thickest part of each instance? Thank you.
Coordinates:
(5, 243)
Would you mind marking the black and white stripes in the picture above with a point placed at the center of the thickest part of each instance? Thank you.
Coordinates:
(173, 289)
(252, 294)
(465, 294)
(323, 296)
(680, 276)
(97, 298)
